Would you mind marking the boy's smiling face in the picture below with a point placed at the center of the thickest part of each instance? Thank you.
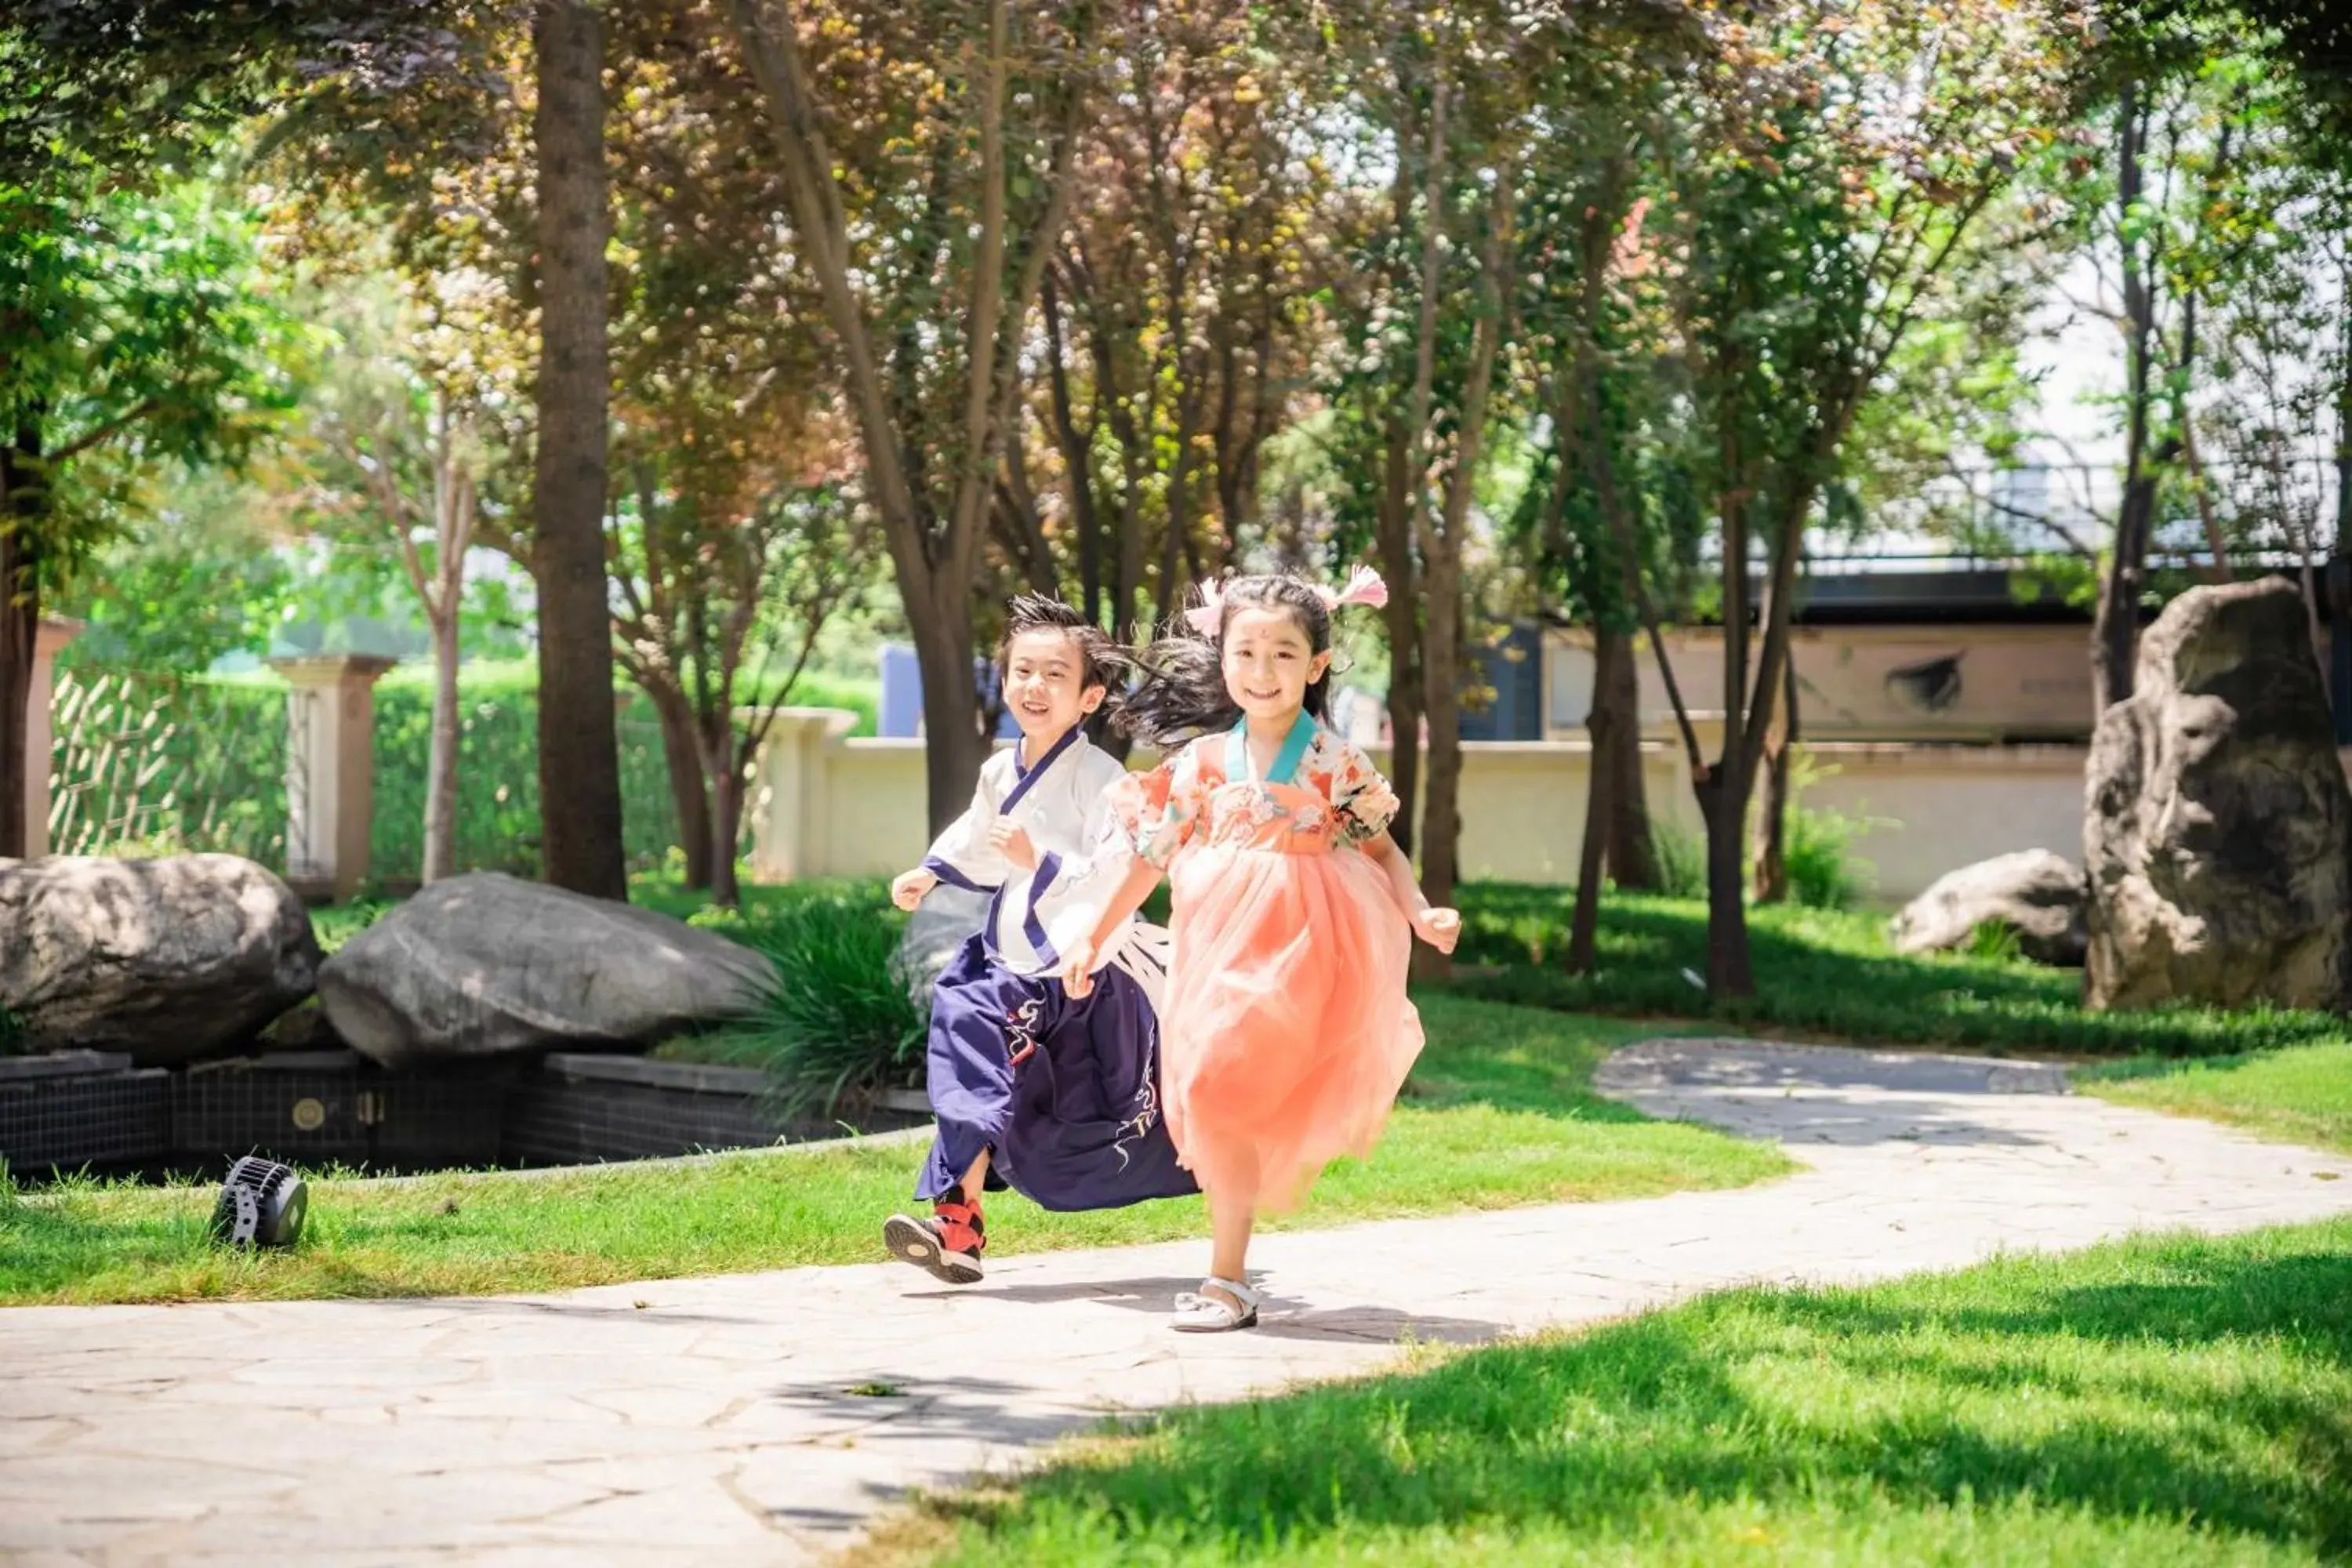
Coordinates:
(1045, 683)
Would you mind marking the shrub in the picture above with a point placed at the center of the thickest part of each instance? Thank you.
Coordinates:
(1682, 862)
(1821, 875)
(1995, 941)
(842, 1024)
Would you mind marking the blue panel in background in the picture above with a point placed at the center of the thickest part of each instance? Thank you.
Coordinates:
(1514, 668)
(899, 714)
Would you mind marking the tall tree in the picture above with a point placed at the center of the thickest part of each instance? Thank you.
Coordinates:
(404, 415)
(128, 323)
(578, 747)
(1602, 386)
(1178, 307)
(1823, 219)
(925, 150)
(119, 336)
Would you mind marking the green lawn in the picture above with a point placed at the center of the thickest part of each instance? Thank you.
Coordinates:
(1831, 975)
(2298, 1096)
(2154, 1403)
(1500, 1113)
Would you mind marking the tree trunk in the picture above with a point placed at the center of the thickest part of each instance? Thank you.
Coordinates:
(719, 759)
(441, 763)
(2114, 634)
(1615, 725)
(1441, 634)
(1441, 687)
(1078, 465)
(1772, 814)
(1401, 619)
(954, 744)
(22, 497)
(1600, 808)
(1724, 807)
(682, 754)
(1723, 793)
(578, 747)
(2337, 661)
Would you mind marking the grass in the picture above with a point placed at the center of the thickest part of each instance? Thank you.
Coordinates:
(1830, 974)
(2152, 1402)
(2297, 1095)
(1500, 1113)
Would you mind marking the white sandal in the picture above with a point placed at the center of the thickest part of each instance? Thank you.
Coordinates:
(1199, 1313)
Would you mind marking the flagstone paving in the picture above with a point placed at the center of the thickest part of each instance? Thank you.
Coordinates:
(768, 1417)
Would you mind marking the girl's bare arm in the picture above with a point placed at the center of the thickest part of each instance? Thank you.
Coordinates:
(1439, 928)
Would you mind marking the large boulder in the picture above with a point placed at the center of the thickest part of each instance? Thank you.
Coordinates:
(945, 918)
(2034, 892)
(168, 959)
(484, 964)
(2218, 824)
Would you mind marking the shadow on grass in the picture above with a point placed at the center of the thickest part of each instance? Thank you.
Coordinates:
(2191, 1381)
(1831, 975)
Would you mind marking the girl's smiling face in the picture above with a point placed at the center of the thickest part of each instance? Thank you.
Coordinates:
(1269, 662)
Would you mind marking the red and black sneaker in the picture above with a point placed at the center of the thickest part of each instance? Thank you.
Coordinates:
(948, 1245)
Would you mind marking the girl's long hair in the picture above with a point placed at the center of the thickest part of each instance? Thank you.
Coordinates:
(1183, 690)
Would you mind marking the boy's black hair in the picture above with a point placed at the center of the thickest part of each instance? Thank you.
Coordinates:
(1103, 662)
(1183, 694)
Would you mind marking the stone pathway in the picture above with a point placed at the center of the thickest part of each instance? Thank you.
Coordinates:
(769, 1416)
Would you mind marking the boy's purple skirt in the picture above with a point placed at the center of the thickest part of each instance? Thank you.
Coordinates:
(1076, 1122)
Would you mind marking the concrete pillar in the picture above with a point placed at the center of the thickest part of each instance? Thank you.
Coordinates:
(329, 770)
(49, 639)
(787, 804)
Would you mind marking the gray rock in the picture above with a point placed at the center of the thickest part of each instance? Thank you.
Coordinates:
(2035, 893)
(945, 918)
(2217, 823)
(169, 960)
(485, 964)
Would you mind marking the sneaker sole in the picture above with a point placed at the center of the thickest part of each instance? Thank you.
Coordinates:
(909, 1243)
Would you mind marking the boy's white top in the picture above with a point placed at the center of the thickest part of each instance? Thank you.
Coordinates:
(1040, 913)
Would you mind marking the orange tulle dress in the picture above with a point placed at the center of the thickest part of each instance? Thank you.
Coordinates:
(1285, 1030)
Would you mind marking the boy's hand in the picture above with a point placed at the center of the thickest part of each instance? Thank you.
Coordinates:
(1439, 928)
(1011, 840)
(1078, 970)
(910, 886)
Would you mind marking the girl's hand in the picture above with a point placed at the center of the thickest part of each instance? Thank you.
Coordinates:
(1011, 841)
(1078, 970)
(909, 888)
(1439, 928)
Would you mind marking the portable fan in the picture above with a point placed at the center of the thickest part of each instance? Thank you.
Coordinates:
(261, 1204)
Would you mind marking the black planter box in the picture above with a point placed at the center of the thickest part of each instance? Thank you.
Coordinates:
(75, 1110)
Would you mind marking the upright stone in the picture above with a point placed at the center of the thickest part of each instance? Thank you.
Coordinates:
(329, 770)
(48, 641)
(2218, 828)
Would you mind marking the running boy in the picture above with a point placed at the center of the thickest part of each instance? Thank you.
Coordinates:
(1054, 1096)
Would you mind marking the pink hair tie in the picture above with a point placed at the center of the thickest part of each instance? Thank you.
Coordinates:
(1209, 615)
(1364, 587)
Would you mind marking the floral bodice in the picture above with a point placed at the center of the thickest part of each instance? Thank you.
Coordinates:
(1320, 793)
